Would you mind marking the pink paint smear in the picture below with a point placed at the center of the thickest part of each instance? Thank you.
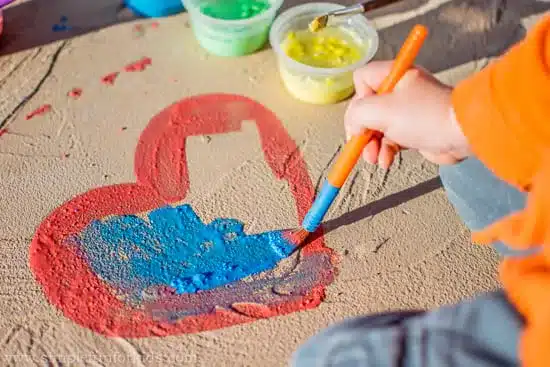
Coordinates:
(39, 111)
(110, 78)
(75, 93)
(139, 65)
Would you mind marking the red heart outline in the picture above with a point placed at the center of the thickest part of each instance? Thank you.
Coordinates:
(162, 178)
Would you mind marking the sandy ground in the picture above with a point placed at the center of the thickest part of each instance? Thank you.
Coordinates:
(400, 249)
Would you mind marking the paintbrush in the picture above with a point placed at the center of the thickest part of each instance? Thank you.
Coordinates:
(321, 21)
(352, 149)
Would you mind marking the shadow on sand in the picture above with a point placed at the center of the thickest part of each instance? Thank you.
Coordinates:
(462, 30)
(376, 207)
(31, 24)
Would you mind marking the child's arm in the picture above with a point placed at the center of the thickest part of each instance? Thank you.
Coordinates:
(504, 111)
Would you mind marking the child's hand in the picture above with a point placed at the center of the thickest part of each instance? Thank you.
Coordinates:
(418, 114)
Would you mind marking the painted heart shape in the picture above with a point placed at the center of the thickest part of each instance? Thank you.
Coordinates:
(83, 254)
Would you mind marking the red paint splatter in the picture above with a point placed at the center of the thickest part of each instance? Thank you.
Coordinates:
(3, 131)
(39, 111)
(155, 25)
(109, 79)
(75, 93)
(139, 65)
(162, 178)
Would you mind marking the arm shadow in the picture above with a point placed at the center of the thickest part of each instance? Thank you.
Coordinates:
(463, 31)
(30, 24)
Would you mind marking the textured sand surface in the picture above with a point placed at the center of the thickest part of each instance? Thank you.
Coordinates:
(401, 244)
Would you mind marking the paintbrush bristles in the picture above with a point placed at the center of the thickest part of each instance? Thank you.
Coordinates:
(318, 23)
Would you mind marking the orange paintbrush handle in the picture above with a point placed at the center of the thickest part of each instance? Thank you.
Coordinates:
(405, 58)
(353, 148)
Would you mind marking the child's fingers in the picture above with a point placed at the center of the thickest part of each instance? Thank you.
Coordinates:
(388, 151)
(371, 151)
(385, 158)
(393, 145)
(368, 78)
(355, 97)
(372, 113)
(441, 159)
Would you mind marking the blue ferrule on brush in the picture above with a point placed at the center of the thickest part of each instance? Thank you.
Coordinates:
(320, 207)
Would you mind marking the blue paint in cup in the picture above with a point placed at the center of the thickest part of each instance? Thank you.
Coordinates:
(155, 8)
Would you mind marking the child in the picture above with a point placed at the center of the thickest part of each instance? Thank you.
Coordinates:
(500, 115)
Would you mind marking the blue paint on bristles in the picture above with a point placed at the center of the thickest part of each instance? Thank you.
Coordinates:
(320, 207)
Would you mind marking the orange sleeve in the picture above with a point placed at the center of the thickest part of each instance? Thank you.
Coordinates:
(504, 111)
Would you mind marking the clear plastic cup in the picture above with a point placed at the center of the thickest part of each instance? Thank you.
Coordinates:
(231, 37)
(312, 84)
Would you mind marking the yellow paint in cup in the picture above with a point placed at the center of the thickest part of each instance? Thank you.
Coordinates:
(318, 67)
(331, 47)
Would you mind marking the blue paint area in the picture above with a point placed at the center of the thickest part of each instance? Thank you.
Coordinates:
(60, 28)
(320, 206)
(155, 8)
(175, 248)
(62, 25)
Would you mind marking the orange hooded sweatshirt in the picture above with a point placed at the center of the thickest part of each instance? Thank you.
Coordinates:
(504, 111)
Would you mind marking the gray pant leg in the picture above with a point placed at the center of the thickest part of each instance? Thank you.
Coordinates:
(482, 332)
(480, 198)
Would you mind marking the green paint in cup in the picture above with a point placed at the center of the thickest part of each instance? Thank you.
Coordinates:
(232, 27)
(235, 10)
